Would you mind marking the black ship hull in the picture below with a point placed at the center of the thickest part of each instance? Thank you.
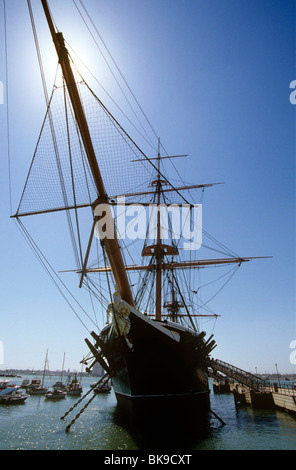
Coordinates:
(158, 370)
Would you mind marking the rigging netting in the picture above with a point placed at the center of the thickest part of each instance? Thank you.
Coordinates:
(60, 176)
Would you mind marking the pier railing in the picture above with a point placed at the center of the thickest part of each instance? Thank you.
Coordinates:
(281, 387)
(240, 375)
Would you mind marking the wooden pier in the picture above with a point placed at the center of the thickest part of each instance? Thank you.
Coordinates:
(251, 390)
(269, 397)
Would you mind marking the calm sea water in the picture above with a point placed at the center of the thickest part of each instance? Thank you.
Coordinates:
(36, 425)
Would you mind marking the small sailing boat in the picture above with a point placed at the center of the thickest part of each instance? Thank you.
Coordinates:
(36, 387)
(151, 346)
(59, 384)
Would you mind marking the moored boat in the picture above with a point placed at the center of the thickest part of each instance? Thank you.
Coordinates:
(25, 383)
(36, 387)
(55, 394)
(75, 387)
(104, 387)
(59, 385)
(14, 398)
(6, 387)
(37, 390)
(10, 394)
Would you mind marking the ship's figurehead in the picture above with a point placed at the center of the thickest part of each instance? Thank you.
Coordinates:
(119, 311)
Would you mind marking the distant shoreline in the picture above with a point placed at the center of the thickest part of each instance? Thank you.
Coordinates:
(24, 372)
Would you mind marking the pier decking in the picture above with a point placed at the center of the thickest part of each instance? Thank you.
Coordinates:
(251, 390)
(268, 397)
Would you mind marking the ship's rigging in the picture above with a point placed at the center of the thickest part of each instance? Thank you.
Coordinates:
(78, 188)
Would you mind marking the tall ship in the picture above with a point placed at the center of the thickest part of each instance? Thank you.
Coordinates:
(86, 163)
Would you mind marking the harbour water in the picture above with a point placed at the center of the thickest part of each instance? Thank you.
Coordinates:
(36, 425)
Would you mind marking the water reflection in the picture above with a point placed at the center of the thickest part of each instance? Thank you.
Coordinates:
(169, 435)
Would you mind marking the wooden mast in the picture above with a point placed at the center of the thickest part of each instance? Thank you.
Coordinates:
(111, 244)
(175, 264)
(45, 362)
(159, 253)
(159, 250)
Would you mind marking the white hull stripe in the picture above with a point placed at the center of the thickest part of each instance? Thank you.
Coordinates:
(162, 395)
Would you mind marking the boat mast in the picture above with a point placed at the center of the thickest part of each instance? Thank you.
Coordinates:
(63, 368)
(111, 244)
(45, 362)
(173, 306)
(159, 252)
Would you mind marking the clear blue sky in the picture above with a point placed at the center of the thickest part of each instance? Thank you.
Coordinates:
(213, 77)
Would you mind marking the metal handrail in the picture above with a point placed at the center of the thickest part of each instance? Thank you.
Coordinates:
(240, 375)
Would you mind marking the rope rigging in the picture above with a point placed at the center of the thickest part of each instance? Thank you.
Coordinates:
(118, 70)
(7, 106)
(51, 272)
